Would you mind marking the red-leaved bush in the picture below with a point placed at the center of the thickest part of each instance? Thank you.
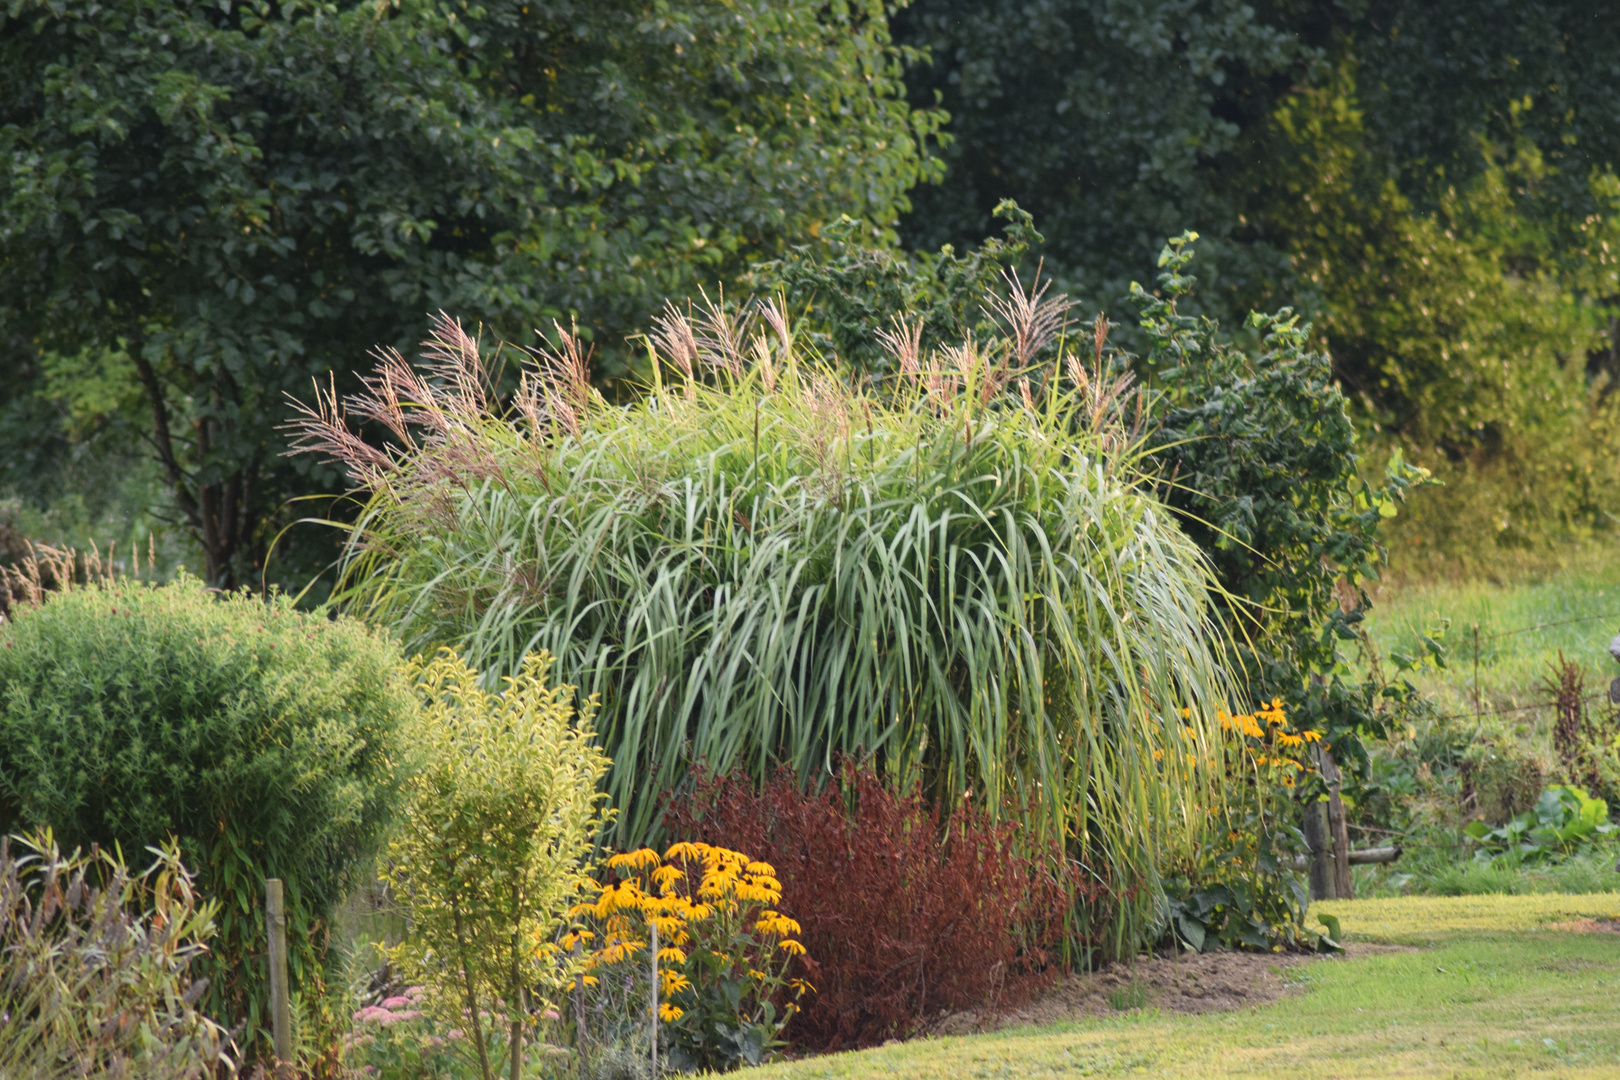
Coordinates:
(899, 923)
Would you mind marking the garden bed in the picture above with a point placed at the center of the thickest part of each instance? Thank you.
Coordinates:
(1189, 984)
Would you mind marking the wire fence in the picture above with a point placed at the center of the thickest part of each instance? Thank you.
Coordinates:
(1548, 625)
(1476, 639)
(1493, 711)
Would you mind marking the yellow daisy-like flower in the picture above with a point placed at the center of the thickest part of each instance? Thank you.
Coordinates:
(642, 859)
(1313, 736)
(793, 948)
(776, 924)
(685, 850)
(669, 1013)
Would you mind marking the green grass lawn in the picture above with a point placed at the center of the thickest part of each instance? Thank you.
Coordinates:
(1487, 989)
(1523, 627)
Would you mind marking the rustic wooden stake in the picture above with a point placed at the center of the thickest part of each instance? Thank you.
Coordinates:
(1477, 711)
(275, 916)
(654, 938)
(1324, 885)
(1344, 886)
(579, 1001)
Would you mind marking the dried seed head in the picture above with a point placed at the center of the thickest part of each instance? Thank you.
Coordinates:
(720, 337)
(904, 343)
(675, 341)
(1029, 318)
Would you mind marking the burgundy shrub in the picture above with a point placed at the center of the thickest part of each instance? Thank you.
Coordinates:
(900, 925)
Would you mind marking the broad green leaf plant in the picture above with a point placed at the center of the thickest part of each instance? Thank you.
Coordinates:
(1564, 819)
(502, 811)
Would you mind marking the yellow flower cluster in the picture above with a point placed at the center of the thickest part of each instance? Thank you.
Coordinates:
(1265, 740)
(692, 891)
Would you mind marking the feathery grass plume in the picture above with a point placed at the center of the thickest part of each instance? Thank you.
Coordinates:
(964, 580)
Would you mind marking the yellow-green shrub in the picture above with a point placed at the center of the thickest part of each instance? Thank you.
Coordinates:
(500, 815)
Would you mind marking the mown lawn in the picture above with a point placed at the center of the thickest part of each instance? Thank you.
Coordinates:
(1487, 988)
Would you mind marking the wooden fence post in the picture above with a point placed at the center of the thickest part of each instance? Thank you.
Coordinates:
(1324, 885)
(1344, 886)
(275, 917)
(579, 1002)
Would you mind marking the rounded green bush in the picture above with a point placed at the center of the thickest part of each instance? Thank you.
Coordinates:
(260, 736)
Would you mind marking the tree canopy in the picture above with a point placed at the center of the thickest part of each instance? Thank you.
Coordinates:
(1431, 184)
(206, 206)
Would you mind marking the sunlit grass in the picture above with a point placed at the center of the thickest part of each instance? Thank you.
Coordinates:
(1419, 919)
(1523, 625)
(1498, 995)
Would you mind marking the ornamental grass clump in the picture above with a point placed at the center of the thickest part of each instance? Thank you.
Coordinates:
(759, 560)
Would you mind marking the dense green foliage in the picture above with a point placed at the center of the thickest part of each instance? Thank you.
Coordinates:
(95, 966)
(1110, 122)
(1118, 124)
(204, 206)
(957, 577)
(1259, 456)
(1431, 184)
(256, 735)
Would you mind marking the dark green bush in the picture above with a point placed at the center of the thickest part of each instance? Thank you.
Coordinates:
(1261, 459)
(257, 735)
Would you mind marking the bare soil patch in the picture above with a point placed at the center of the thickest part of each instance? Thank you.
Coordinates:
(1590, 926)
(1187, 984)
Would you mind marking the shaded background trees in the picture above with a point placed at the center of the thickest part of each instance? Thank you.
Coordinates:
(204, 206)
(207, 206)
(1431, 183)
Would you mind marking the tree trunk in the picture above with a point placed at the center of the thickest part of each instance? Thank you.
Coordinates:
(220, 515)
